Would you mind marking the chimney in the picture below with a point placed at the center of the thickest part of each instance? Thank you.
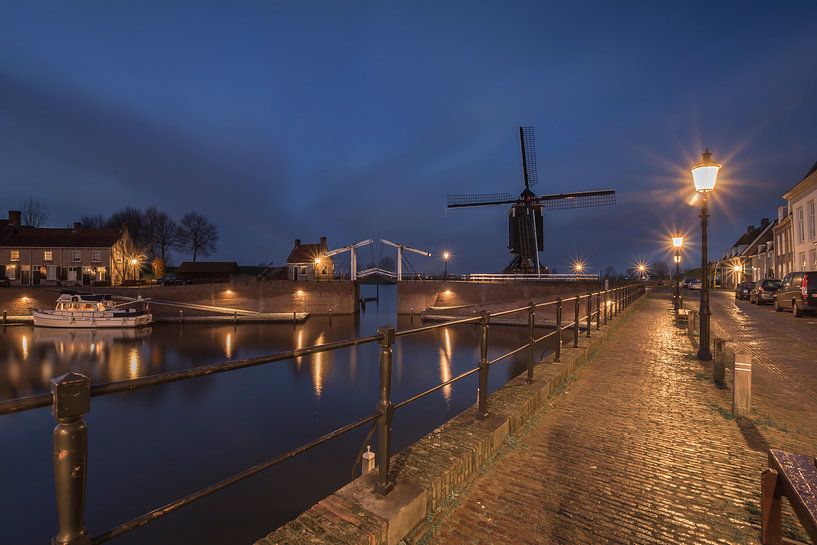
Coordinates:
(323, 241)
(297, 242)
(14, 218)
(764, 223)
(750, 228)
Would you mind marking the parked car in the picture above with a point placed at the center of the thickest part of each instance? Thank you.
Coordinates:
(798, 292)
(743, 289)
(172, 280)
(5, 282)
(695, 284)
(764, 291)
(685, 283)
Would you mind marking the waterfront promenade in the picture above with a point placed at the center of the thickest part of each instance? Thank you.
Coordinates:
(642, 448)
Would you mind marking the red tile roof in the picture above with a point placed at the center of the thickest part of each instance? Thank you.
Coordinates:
(306, 253)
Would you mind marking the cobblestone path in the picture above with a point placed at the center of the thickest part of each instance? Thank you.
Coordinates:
(640, 449)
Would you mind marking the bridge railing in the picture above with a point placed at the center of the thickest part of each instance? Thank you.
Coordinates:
(70, 400)
(583, 277)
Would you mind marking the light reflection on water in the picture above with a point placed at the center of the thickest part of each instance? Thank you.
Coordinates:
(188, 435)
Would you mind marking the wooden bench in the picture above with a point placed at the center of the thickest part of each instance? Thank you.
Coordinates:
(795, 477)
(682, 317)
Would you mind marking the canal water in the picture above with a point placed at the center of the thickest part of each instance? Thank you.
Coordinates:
(152, 446)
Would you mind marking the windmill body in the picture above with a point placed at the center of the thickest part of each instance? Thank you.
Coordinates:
(525, 228)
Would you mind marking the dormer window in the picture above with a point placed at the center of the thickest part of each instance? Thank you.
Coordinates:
(48, 255)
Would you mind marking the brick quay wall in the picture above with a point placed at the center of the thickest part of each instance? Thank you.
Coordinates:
(337, 297)
(458, 298)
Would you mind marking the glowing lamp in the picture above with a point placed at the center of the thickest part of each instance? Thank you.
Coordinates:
(677, 258)
(446, 255)
(705, 173)
(738, 268)
(677, 242)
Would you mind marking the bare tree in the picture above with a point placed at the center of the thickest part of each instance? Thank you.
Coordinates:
(93, 222)
(34, 212)
(660, 269)
(197, 235)
(162, 233)
(136, 222)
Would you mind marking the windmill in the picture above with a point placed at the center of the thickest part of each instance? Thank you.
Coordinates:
(400, 249)
(525, 233)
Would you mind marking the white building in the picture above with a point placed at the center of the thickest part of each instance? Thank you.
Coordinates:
(801, 199)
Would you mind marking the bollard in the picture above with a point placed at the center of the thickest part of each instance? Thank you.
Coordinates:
(742, 388)
(576, 323)
(606, 305)
(589, 313)
(692, 318)
(367, 461)
(71, 399)
(598, 311)
(531, 338)
(719, 362)
(294, 319)
(235, 317)
(5, 317)
(482, 409)
(386, 409)
(558, 328)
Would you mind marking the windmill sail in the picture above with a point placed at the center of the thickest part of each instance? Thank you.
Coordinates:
(581, 199)
(527, 143)
(480, 199)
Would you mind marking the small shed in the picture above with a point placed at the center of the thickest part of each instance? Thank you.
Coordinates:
(310, 262)
(204, 272)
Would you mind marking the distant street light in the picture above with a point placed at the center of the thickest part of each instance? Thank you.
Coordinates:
(677, 242)
(446, 257)
(578, 267)
(704, 175)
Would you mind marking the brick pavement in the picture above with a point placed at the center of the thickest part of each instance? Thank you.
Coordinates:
(640, 449)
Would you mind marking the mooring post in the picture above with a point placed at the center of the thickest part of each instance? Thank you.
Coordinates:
(589, 313)
(531, 339)
(71, 400)
(482, 409)
(742, 388)
(386, 410)
(559, 328)
(576, 321)
(719, 362)
(598, 311)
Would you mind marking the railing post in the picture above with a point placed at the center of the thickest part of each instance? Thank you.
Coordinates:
(386, 410)
(589, 313)
(559, 328)
(72, 399)
(576, 322)
(618, 301)
(531, 339)
(598, 310)
(483, 367)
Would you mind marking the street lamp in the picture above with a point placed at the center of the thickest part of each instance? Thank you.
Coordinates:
(677, 242)
(446, 257)
(578, 267)
(704, 175)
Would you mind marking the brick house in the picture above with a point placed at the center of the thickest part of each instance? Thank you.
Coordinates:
(75, 256)
(308, 262)
(783, 243)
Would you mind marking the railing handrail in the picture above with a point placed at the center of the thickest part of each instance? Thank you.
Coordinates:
(66, 391)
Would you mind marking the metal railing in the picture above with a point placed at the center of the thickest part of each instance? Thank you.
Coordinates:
(70, 400)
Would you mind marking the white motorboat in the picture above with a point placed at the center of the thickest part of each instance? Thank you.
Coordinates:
(92, 310)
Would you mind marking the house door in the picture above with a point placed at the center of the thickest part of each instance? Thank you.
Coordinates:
(72, 274)
(25, 275)
(36, 277)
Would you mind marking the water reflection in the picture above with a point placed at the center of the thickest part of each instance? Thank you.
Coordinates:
(446, 352)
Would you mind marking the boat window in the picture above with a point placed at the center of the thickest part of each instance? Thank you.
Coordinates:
(87, 306)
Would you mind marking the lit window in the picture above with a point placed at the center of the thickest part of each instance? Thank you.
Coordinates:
(15, 255)
(303, 269)
(76, 256)
(801, 233)
(48, 255)
(11, 272)
(96, 256)
(811, 226)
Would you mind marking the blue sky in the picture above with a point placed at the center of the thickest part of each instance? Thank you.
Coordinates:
(354, 120)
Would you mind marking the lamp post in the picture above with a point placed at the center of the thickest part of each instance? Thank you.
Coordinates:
(446, 257)
(704, 175)
(738, 270)
(677, 242)
(578, 267)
